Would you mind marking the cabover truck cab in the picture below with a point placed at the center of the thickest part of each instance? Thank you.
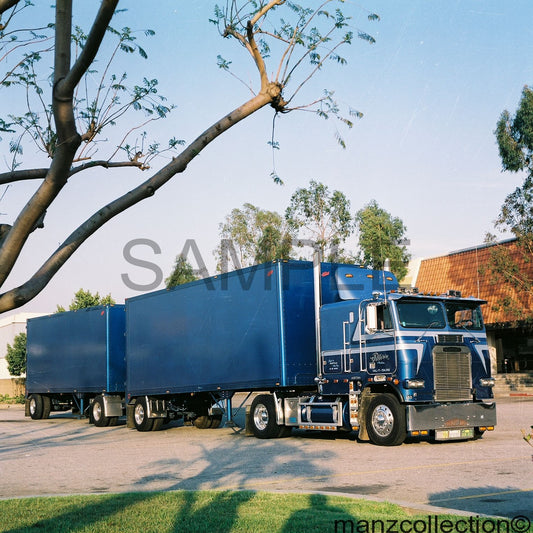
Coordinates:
(76, 360)
(394, 364)
(328, 347)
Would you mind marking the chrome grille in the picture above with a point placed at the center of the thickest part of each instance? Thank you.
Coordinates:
(453, 378)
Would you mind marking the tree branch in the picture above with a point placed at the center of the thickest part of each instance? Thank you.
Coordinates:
(68, 138)
(20, 295)
(92, 45)
(7, 4)
(40, 173)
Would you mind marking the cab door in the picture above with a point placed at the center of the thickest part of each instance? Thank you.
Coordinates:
(378, 345)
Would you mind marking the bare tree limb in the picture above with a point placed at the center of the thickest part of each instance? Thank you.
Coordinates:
(68, 138)
(40, 173)
(20, 295)
(7, 4)
(87, 55)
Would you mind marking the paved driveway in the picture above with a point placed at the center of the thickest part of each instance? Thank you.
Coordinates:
(65, 455)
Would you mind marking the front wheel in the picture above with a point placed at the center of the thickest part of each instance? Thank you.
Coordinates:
(385, 421)
(263, 418)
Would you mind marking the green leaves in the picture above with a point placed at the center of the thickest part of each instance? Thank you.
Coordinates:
(84, 299)
(320, 216)
(256, 234)
(515, 135)
(381, 236)
(182, 272)
(507, 263)
(16, 355)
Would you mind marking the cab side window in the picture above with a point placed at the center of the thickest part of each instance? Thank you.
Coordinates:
(384, 317)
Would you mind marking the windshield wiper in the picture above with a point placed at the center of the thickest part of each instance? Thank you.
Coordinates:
(430, 325)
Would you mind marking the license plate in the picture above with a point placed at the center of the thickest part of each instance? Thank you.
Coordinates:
(449, 434)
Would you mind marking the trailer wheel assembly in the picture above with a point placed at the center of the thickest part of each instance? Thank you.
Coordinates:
(97, 416)
(385, 421)
(263, 418)
(140, 416)
(207, 421)
(40, 406)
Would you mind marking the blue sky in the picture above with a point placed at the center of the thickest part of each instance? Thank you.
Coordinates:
(431, 90)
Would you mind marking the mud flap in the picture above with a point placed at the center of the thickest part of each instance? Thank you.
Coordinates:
(364, 401)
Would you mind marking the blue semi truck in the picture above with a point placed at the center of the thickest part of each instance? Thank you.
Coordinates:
(328, 347)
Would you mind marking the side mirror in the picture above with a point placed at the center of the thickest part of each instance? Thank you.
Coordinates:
(371, 319)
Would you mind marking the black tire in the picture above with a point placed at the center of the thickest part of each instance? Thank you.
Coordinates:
(284, 432)
(216, 420)
(157, 424)
(140, 416)
(385, 421)
(97, 416)
(47, 406)
(263, 418)
(39, 406)
(207, 421)
(203, 422)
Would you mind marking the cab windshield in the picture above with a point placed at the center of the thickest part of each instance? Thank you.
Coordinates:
(421, 315)
(464, 315)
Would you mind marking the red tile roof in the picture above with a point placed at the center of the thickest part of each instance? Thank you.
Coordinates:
(466, 271)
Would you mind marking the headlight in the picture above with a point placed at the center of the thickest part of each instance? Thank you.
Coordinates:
(486, 382)
(414, 383)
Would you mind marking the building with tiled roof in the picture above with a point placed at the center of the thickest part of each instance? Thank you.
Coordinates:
(466, 270)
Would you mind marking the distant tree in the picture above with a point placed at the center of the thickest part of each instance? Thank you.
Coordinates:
(16, 355)
(381, 236)
(515, 143)
(515, 135)
(182, 272)
(320, 217)
(255, 235)
(273, 244)
(83, 299)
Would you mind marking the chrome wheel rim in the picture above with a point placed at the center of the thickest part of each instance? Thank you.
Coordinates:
(139, 414)
(382, 420)
(33, 406)
(97, 411)
(261, 417)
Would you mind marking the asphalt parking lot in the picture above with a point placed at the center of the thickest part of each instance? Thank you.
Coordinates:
(67, 455)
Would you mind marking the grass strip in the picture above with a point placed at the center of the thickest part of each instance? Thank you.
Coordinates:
(219, 511)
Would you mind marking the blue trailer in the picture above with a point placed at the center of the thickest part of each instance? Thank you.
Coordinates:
(248, 330)
(331, 347)
(76, 360)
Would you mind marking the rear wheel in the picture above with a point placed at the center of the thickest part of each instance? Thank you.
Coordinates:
(97, 413)
(207, 421)
(40, 406)
(263, 418)
(385, 421)
(202, 422)
(140, 416)
(216, 421)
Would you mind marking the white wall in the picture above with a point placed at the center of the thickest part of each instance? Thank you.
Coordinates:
(10, 327)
